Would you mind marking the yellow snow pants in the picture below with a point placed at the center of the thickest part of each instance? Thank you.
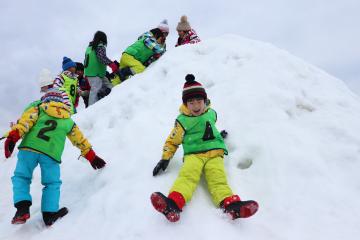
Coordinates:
(128, 61)
(215, 176)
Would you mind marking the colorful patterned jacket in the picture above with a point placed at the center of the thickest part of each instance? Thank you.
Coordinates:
(190, 37)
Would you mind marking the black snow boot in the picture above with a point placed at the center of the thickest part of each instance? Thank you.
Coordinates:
(51, 217)
(23, 212)
(124, 73)
(166, 206)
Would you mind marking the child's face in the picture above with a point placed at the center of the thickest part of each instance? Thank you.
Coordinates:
(72, 69)
(181, 33)
(80, 72)
(161, 40)
(196, 106)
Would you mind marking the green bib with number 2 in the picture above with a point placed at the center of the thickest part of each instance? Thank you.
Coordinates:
(48, 135)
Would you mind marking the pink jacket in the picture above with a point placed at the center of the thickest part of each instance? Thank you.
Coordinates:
(190, 37)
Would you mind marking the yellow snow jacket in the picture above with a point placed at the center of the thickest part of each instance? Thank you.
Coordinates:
(57, 110)
(176, 138)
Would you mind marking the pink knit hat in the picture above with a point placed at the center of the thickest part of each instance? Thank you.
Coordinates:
(163, 26)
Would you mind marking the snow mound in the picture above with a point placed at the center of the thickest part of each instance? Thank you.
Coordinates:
(293, 146)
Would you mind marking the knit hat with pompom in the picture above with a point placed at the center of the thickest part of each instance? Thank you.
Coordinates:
(192, 89)
(56, 95)
(164, 26)
(183, 25)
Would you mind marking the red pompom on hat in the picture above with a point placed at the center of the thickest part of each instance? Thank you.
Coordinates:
(192, 89)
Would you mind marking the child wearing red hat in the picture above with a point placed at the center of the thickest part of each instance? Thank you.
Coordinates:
(204, 151)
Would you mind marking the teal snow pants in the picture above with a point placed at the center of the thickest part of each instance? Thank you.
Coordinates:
(50, 179)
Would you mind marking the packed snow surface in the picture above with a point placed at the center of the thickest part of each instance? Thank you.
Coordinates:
(294, 147)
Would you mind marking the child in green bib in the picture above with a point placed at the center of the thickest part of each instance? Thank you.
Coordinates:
(204, 151)
(43, 129)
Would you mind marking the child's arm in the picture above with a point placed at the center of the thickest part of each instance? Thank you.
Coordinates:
(173, 141)
(152, 44)
(24, 124)
(193, 37)
(101, 55)
(58, 82)
(26, 121)
(78, 139)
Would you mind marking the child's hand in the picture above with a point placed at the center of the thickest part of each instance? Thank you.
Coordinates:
(95, 161)
(10, 142)
(162, 164)
(224, 134)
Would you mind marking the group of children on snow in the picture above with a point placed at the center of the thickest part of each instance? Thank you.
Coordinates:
(45, 124)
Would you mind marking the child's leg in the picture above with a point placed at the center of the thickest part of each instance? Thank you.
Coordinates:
(216, 180)
(188, 177)
(96, 85)
(129, 61)
(50, 178)
(27, 161)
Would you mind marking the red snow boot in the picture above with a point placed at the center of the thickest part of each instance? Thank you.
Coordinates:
(23, 212)
(51, 217)
(239, 209)
(166, 206)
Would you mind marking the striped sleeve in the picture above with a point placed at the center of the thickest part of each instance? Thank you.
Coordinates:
(152, 44)
(58, 82)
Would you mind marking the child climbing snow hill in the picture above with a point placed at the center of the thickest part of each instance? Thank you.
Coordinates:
(43, 129)
(135, 58)
(67, 82)
(204, 150)
(187, 35)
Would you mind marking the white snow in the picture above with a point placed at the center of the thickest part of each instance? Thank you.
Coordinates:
(293, 139)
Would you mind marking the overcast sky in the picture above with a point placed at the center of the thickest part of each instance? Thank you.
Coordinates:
(37, 34)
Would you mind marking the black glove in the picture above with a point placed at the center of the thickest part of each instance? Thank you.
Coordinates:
(162, 164)
(109, 75)
(224, 133)
(97, 163)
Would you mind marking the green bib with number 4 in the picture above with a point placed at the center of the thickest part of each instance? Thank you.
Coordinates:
(48, 135)
(201, 134)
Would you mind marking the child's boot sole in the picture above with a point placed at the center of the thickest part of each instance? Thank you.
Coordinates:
(21, 219)
(159, 203)
(248, 209)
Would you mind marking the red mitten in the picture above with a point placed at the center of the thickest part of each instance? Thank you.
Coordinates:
(114, 67)
(95, 161)
(10, 142)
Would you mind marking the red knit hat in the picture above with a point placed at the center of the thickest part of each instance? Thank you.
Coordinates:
(192, 89)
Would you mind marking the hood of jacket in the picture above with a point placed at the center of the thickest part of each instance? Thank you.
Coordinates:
(56, 109)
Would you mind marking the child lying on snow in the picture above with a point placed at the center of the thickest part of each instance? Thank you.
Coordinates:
(204, 150)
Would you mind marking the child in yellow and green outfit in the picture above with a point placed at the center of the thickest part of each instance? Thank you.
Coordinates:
(204, 150)
(135, 58)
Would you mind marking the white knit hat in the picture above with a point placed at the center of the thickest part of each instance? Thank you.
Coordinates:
(163, 26)
(183, 25)
(45, 78)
